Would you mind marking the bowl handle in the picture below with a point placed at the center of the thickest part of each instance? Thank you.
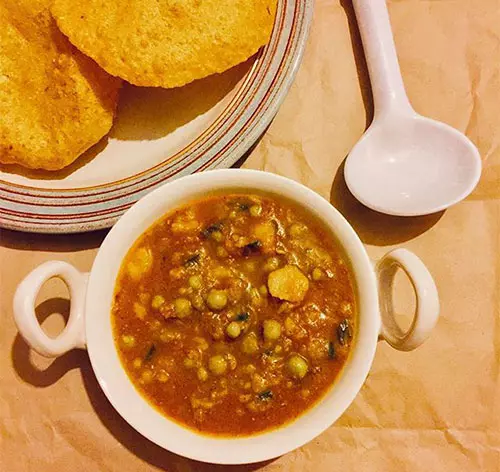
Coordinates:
(73, 335)
(427, 309)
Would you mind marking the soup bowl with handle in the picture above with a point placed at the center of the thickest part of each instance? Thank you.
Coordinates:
(90, 326)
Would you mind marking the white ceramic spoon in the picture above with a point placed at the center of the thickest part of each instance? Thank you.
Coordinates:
(405, 164)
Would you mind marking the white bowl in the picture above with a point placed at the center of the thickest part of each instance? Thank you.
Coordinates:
(89, 324)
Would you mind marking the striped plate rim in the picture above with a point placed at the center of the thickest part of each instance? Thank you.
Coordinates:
(244, 119)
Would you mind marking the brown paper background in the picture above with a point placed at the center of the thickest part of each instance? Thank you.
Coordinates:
(434, 409)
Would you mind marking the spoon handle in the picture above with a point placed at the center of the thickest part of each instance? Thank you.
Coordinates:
(378, 43)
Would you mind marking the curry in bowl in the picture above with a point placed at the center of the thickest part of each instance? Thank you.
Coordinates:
(234, 314)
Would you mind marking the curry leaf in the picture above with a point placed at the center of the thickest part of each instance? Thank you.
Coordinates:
(242, 316)
(344, 332)
(331, 350)
(266, 395)
(243, 206)
(252, 248)
(151, 352)
(192, 260)
(211, 229)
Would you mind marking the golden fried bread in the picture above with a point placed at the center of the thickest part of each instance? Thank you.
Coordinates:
(168, 43)
(55, 102)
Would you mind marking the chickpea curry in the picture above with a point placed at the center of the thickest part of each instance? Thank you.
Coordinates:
(234, 314)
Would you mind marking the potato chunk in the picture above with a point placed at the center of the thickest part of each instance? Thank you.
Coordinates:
(288, 283)
(250, 344)
(266, 234)
(141, 262)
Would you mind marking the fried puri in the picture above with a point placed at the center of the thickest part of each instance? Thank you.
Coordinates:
(168, 43)
(55, 102)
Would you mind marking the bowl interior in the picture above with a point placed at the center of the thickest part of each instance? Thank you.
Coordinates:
(145, 418)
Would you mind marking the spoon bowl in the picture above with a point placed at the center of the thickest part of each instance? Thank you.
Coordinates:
(408, 165)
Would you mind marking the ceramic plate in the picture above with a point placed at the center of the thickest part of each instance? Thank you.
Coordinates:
(160, 135)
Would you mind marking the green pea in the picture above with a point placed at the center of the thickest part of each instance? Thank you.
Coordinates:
(163, 377)
(233, 329)
(217, 236)
(317, 274)
(157, 302)
(128, 340)
(297, 366)
(217, 299)
(217, 365)
(272, 330)
(146, 376)
(195, 282)
(182, 307)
